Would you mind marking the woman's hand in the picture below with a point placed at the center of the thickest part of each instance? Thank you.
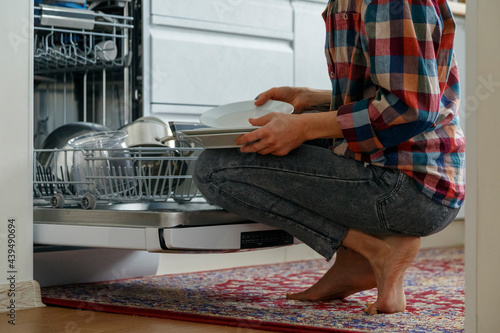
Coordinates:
(281, 132)
(279, 135)
(302, 99)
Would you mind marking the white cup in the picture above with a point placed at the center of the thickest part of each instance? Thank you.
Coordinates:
(106, 50)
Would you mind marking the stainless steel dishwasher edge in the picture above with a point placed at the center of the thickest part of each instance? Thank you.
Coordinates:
(158, 227)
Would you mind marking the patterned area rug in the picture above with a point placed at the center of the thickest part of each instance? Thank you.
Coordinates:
(253, 297)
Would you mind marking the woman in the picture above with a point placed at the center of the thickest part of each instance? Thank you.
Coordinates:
(394, 171)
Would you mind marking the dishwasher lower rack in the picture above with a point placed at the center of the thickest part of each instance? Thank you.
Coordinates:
(91, 176)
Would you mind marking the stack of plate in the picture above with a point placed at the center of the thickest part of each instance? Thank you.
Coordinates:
(228, 122)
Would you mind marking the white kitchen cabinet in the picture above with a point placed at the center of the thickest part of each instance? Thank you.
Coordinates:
(203, 54)
(253, 17)
(200, 68)
(309, 44)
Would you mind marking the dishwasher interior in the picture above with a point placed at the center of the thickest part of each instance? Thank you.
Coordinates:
(88, 61)
(84, 64)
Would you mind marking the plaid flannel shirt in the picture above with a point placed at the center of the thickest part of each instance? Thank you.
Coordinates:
(395, 85)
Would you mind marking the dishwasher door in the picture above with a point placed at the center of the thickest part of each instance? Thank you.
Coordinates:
(154, 227)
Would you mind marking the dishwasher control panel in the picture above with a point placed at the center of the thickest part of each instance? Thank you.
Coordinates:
(265, 238)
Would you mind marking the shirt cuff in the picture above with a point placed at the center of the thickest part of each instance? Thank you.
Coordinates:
(355, 123)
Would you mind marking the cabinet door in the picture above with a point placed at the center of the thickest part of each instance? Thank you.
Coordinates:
(252, 15)
(309, 44)
(203, 68)
(204, 55)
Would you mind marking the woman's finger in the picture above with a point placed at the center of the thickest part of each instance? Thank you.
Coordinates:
(254, 135)
(265, 96)
(261, 99)
(248, 138)
(253, 147)
(261, 121)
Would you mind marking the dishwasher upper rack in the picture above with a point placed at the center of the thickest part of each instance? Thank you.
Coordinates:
(100, 42)
(91, 176)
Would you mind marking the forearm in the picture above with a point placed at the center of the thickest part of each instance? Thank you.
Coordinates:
(321, 125)
(319, 99)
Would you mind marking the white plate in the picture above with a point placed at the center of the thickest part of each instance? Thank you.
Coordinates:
(236, 115)
(212, 130)
(213, 138)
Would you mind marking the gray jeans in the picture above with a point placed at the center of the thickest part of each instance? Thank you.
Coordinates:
(318, 196)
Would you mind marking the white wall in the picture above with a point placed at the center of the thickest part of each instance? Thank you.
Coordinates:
(17, 290)
(16, 138)
(483, 180)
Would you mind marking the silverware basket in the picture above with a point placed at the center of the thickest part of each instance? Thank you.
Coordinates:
(91, 176)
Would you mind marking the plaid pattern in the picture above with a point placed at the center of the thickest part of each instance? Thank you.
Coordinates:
(395, 85)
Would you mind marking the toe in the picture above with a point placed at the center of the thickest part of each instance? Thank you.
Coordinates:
(370, 308)
(293, 296)
(302, 296)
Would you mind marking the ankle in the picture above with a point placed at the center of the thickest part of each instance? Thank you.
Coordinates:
(368, 246)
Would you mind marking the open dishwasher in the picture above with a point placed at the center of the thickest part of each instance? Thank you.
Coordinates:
(88, 68)
(135, 198)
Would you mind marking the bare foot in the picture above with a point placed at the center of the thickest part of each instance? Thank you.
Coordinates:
(390, 266)
(350, 274)
(389, 258)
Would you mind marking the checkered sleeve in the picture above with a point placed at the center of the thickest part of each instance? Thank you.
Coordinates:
(401, 40)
